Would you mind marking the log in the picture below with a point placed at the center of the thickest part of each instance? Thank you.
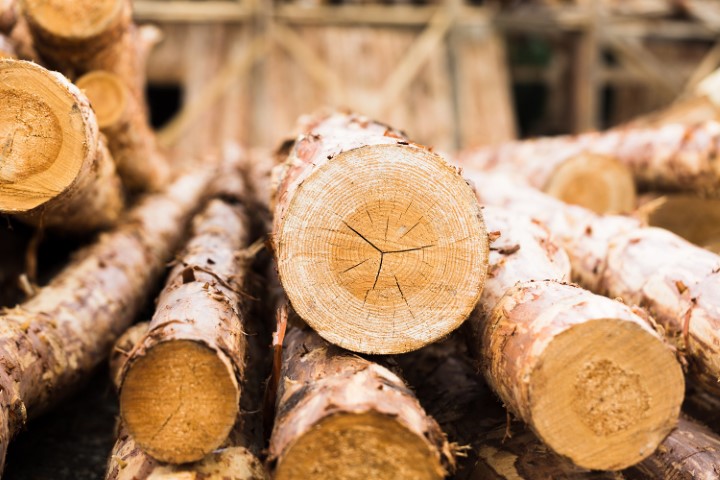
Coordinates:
(674, 156)
(129, 462)
(598, 182)
(7, 50)
(53, 341)
(592, 379)
(673, 280)
(342, 417)
(8, 16)
(694, 218)
(84, 35)
(691, 452)
(180, 386)
(380, 229)
(56, 171)
(123, 120)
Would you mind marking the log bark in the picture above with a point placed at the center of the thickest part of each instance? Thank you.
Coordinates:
(673, 280)
(598, 182)
(674, 156)
(81, 36)
(124, 121)
(50, 343)
(590, 377)
(380, 229)
(129, 462)
(56, 171)
(694, 218)
(180, 387)
(343, 417)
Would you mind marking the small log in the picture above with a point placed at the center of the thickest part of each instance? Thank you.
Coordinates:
(598, 182)
(56, 170)
(53, 341)
(123, 120)
(180, 387)
(379, 242)
(342, 417)
(674, 156)
(675, 281)
(694, 218)
(590, 377)
(129, 462)
(80, 36)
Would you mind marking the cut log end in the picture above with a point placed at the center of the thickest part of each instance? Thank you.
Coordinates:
(153, 406)
(611, 410)
(398, 245)
(360, 446)
(78, 20)
(599, 183)
(45, 140)
(107, 94)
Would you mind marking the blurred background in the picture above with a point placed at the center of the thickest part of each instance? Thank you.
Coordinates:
(453, 74)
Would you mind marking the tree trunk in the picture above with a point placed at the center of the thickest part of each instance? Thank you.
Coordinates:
(180, 387)
(84, 35)
(590, 377)
(52, 342)
(378, 232)
(129, 462)
(598, 182)
(675, 281)
(130, 139)
(342, 417)
(56, 170)
(674, 156)
(694, 218)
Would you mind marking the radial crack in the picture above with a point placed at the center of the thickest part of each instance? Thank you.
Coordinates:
(361, 236)
(382, 255)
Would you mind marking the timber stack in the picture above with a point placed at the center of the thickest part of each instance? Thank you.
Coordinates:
(355, 305)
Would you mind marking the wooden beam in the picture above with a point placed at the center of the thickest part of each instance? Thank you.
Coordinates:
(193, 12)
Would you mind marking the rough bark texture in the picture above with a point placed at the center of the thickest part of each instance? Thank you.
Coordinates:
(675, 281)
(50, 343)
(130, 139)
(340, 416)
(675, 156)
(85, 35)
(378, 229)
(691, 452)
(180, 387)
(593, 380)
(57, 171)
(129, 462)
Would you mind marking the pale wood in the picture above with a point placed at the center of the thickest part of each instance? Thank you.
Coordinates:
(51, 343)
(590, 377)
(180, 385)
(57, 171)
(675, 281)
(349, 418)
(376, 228)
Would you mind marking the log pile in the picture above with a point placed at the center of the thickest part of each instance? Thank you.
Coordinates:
(426, 323)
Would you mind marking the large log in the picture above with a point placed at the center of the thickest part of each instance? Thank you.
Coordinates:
(673, 156)
(379, 242)
(128, 461)
(56, 170)
(130, 139)
(52, 342)
(180, 386)
(342, 417)
(84, 35)
(591, 377)
(675, 281)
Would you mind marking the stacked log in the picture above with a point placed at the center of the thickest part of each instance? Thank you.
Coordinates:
(672, 279)
(383, 230)
(53, 341)
(57, 171)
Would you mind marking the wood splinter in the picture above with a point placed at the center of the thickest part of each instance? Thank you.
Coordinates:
(380, 243)
(56, 170)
